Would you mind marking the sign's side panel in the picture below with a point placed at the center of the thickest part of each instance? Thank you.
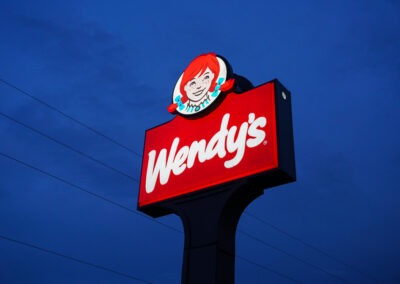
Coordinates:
(236, 140)
(283, 100)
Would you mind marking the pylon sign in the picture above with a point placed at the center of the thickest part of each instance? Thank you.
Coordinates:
(224, 131)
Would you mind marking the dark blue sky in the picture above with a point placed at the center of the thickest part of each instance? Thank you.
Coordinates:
(113, 66)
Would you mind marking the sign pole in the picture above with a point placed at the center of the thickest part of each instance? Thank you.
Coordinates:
(210, 222)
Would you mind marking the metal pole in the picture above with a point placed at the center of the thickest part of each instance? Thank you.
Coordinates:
(210, 223)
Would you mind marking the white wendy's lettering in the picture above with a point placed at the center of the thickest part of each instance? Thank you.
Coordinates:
(233, 140)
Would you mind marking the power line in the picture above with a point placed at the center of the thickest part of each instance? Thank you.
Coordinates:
(269, 269)
(352, 267)
(87, 191)
(111, 202)
(68, 146)
(73, 259)
(69, 117)
(293, 256)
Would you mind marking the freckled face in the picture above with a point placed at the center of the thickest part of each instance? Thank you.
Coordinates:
(197, 88)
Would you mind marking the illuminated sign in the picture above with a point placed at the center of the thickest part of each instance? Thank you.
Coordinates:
(200, 84)
(238, 139)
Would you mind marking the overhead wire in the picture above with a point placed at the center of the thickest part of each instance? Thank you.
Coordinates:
(74, 259)
(280, 274)
(293, 237)
(68, 146)
(87, 191)
(69, 117)
(316, 267)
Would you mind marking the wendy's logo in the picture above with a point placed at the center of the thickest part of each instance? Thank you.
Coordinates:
(200, 84)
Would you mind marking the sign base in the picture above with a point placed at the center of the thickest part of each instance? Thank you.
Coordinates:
(210, 222)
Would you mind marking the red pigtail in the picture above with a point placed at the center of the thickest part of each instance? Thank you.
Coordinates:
(228, 85)
(172, 108)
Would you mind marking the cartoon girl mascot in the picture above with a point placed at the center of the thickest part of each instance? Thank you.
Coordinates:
(200, 84)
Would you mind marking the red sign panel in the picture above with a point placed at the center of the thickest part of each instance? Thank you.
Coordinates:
(237, 139)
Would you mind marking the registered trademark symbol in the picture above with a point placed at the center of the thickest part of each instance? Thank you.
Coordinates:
(265, 142)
